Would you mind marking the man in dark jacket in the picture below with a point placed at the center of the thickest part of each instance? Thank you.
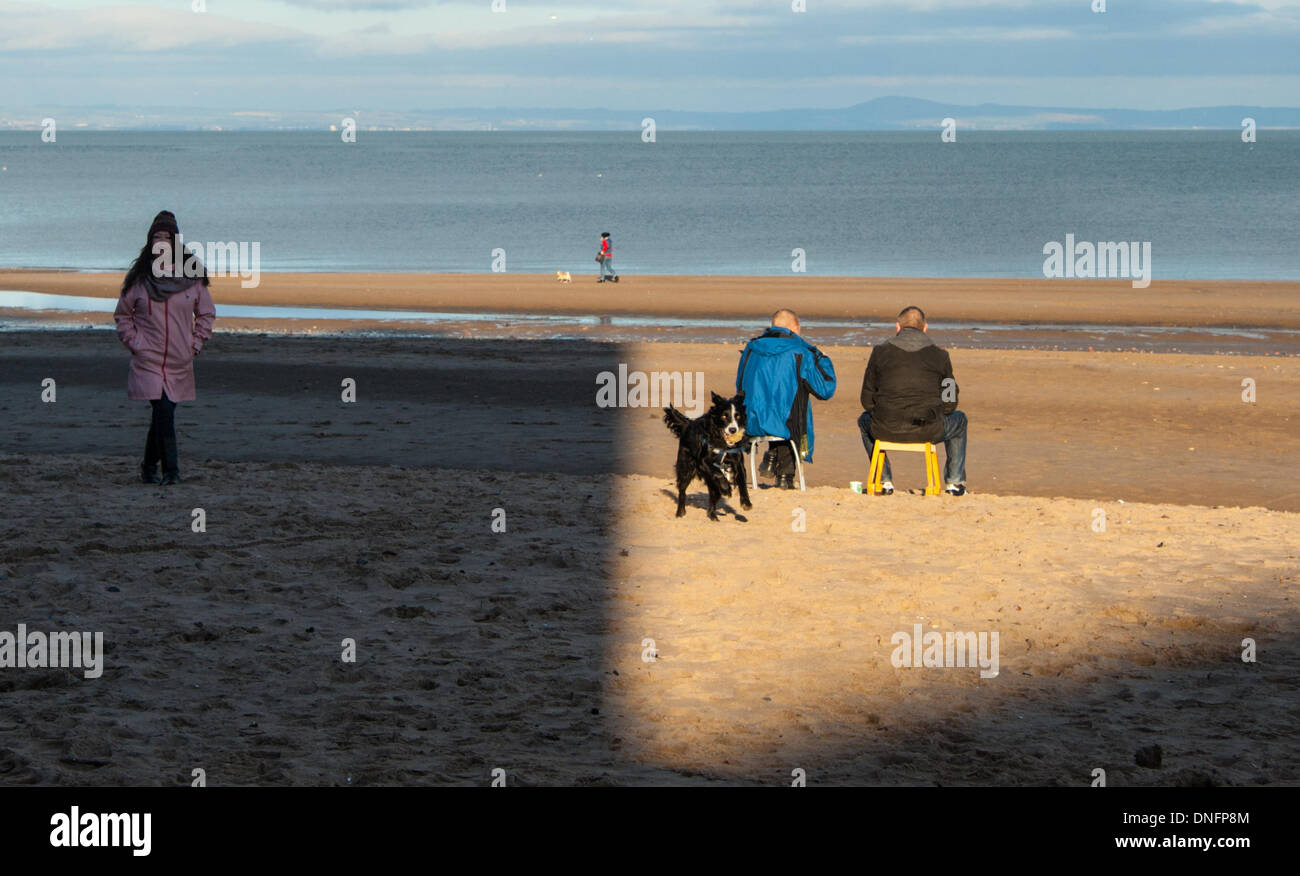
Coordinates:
(909, 396)
(779, 372)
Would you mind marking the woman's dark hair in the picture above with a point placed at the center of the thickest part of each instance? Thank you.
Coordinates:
(142, 266)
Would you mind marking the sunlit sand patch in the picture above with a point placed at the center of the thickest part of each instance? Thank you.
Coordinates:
(752, 649)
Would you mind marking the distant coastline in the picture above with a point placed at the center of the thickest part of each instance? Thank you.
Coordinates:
(880, 114)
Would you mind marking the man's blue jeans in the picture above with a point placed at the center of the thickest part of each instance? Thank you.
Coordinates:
(954, 443)
(606, 267)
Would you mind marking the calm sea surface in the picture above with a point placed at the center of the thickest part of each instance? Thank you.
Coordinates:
(906, 204)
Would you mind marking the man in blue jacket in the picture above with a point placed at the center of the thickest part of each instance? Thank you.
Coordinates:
(778, 371)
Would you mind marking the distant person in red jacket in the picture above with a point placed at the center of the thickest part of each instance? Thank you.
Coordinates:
(606, 258)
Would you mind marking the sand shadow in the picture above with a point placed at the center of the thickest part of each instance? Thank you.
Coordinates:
(695, 500)
(448, 526)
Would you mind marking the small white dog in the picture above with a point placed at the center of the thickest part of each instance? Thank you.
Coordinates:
(563, 276)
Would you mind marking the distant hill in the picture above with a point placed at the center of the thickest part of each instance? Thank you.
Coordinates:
(881, 114)
(890, 114)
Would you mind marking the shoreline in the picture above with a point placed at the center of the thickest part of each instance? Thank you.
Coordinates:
(1172, 303)
(1090, 339)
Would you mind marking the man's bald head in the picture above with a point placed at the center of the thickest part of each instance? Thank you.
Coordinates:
(786, 319)
(912, 317)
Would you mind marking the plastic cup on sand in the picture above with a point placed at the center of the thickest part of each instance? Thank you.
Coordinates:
(855, 486)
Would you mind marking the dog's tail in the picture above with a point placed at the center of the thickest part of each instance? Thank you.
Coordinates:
(675, 420)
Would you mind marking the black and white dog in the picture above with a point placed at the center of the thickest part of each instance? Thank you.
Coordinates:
(711, 447)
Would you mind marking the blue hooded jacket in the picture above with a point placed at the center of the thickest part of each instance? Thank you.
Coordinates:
(778, 370)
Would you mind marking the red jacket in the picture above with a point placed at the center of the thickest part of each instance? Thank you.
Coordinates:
(606, 247)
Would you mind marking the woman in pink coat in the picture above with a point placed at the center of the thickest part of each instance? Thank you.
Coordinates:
(164, 317)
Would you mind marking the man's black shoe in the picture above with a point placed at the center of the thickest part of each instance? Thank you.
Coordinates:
(148, 473)
(169, 479)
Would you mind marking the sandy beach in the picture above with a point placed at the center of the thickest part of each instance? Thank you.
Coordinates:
(523, 650)
(1164, 302)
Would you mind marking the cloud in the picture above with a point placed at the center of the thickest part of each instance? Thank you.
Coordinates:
(980, 34)
(702, 53)
(1266, 5)
(360, 5)
(30, 28)
(1269, 22)
(404, 28)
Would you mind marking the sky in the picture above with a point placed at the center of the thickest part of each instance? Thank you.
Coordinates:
(707, 55)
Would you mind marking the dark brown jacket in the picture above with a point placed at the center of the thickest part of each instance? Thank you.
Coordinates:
(903, 389)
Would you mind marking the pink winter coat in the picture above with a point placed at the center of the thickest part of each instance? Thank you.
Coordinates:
(164, 337)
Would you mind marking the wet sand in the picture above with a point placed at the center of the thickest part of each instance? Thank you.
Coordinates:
(1132, 426)
(1165, 303)
(1096, 338)
(1257, 319)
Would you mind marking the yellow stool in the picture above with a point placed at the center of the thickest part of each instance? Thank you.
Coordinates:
(875, 477)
